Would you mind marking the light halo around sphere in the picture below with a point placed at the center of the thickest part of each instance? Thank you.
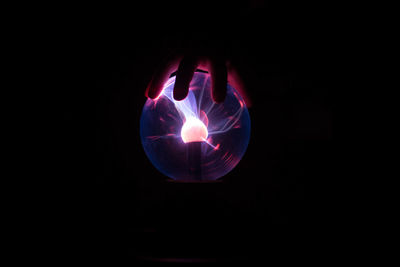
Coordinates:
(169, 128)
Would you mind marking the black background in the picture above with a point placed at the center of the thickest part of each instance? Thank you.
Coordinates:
(119, 208)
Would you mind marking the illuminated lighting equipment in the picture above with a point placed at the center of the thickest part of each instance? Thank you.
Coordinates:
(195, 139)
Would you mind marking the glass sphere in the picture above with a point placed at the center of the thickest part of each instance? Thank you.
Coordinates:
(195, 139)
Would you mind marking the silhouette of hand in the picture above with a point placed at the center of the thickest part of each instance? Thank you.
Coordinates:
(204, 57)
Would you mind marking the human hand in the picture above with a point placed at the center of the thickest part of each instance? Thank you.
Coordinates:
(186, 62)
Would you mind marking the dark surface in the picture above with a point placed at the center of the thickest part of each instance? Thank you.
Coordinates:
(119, 208)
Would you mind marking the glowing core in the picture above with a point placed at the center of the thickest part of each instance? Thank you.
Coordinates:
(193, 130)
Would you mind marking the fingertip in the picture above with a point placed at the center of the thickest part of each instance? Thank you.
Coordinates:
(181, 87)
(180, 92)
(153, 90)
(219, 94)
(184, 76)
(236, 80)
(161, 75)
(219, 81)
(149, 91)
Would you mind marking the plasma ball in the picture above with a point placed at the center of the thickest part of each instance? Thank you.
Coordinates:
(195, 139)
(194, 130)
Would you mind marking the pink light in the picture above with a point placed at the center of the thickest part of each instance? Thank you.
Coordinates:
(204, 118)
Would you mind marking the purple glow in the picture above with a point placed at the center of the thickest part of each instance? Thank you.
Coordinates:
(168, 126)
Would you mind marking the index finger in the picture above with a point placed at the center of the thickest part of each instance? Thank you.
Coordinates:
(161, 76)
